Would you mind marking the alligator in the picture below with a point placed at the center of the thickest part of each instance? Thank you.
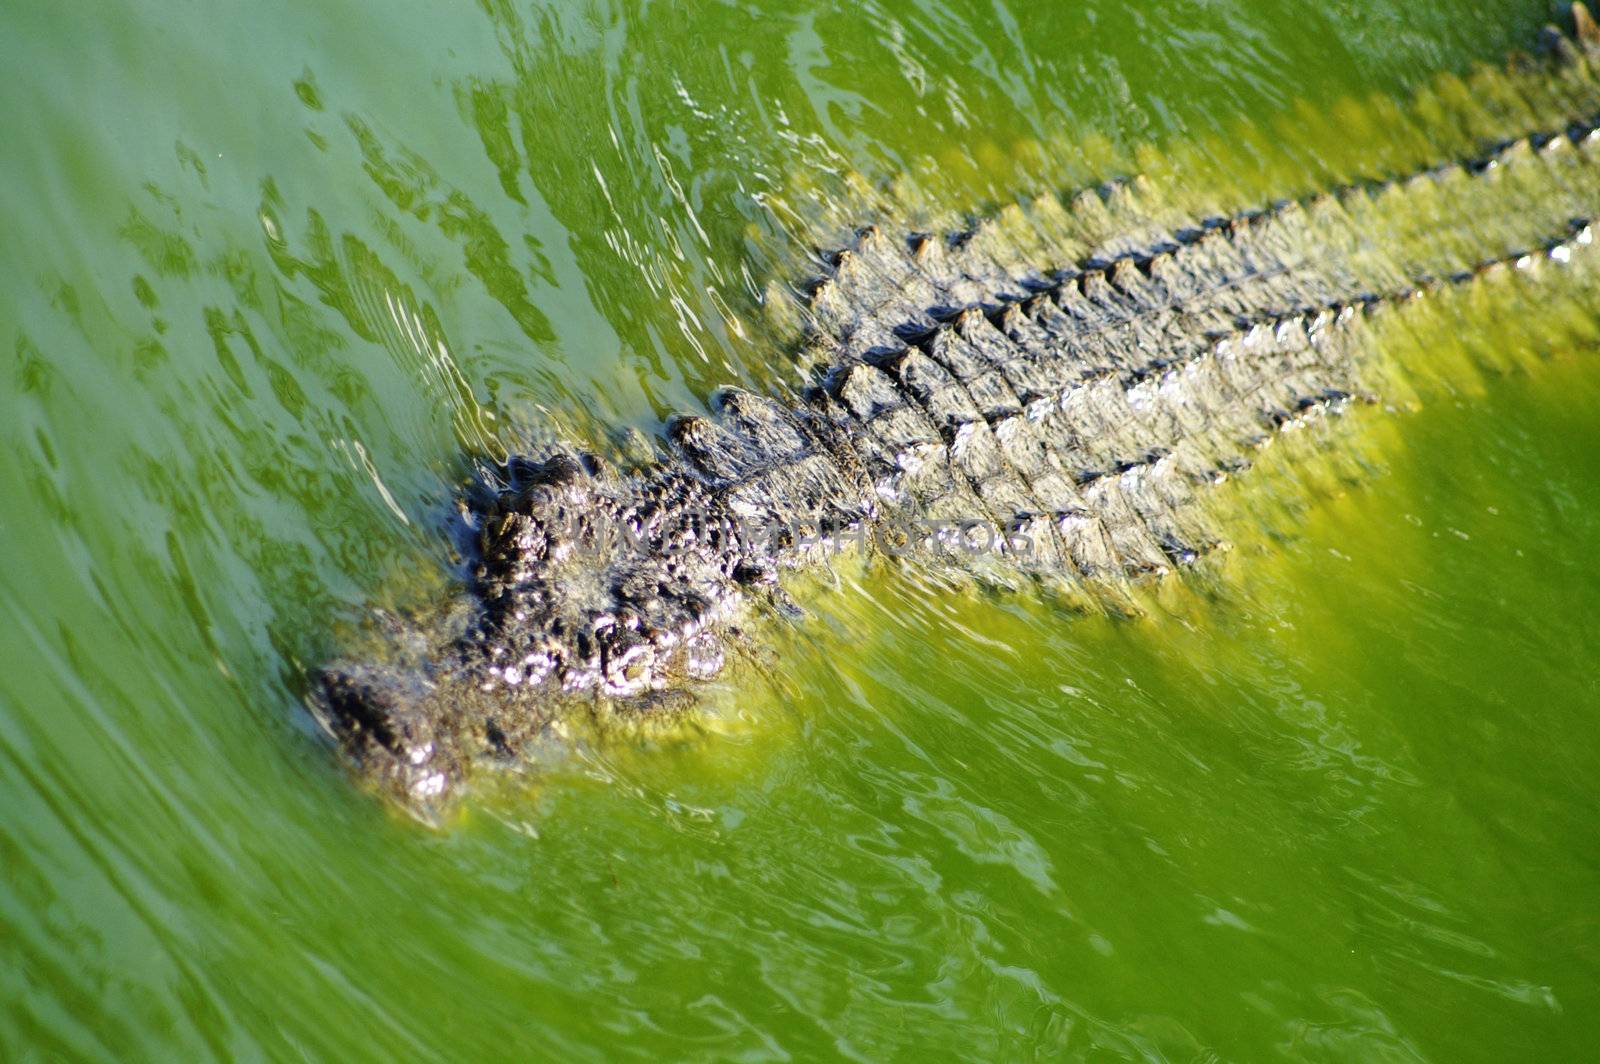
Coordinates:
(1047, 396)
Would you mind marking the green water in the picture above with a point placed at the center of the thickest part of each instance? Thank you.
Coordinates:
(268, 271)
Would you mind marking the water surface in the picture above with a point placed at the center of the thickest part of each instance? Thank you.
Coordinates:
(272, 274)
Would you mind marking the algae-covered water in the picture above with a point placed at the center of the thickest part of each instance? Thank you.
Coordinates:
(270, 272)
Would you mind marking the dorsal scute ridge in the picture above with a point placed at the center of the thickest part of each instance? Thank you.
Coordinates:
(1007, 255)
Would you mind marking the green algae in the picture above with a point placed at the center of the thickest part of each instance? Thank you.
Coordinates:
(1331, 800)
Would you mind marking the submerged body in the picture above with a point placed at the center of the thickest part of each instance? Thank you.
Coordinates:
(1051, 393)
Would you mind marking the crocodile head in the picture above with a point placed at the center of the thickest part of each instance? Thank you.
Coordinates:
(583, 584)
(595, 582)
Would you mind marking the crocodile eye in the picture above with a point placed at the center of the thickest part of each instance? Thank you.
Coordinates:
(559, 470)
(628, 666)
